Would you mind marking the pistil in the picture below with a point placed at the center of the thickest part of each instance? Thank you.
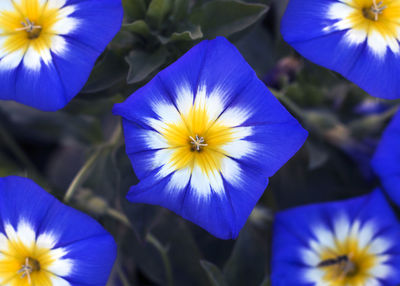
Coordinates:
(32, 30)
(377, 9)
(197, 142)
(30, 266)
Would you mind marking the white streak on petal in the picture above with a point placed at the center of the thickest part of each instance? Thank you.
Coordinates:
(315, 275)
(234, 116)
(58, 281)
(58, 45)
(356, 37)
(216, 103)
(239, 148)
(372, 282)
(215, 180)
(231, 171)
(4, 245)
(11, 60)
(65, 26)
(325, 237)
(339, 11)
(184, 98)
(199, 182)
(342, 228)
(167, 113)
(179, 180)
(163, 158)
(310, 258)
(377, 43)
(46, 240)
(55, 4)
(154, 140)
(366, 234)
(61, 267)
(32, 59)
(379, 246)
(10, 232)
(381, 271)
(6, 5)
(26, 234)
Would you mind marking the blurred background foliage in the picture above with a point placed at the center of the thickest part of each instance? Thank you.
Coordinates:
(78, 153)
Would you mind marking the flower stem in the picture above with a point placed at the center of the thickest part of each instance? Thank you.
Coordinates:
(84, 172)
(164, 256)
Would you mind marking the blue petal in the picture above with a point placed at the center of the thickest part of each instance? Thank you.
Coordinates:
(42, 89)
(386, 160)
(91, 247)
(99, 20)
(303, 28)
(93, 260)
(293, 232)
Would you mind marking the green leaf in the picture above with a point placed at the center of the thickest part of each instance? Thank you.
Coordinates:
(138, 27)
(192, 34)
(143, 64)
(214, 273)
(225, 18)
(134, 9)
(180, 10)
(108, 71)
(157, 11)
(252, 245)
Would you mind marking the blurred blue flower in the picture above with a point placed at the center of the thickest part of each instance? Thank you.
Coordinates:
(48, 48)
(386, 160)
(353, 242)
(204, 136)
(43, 242)
(357, 38)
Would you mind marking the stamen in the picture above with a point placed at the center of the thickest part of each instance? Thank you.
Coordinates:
(30, 27)
(30, 266)
(377, 9)
(198, 142)
(26, 270)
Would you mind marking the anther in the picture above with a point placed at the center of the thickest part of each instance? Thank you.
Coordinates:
(32, 30)
(377, 9)
(197, 142)
(26, 270)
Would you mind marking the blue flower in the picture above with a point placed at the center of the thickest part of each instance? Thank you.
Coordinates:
(48, 48)
(357, 38)
(353, 242)
(386, 160)
(43, 242)
(204, 136)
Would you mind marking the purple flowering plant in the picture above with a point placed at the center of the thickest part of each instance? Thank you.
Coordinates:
(210, 142)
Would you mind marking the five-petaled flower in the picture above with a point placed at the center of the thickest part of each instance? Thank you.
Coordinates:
(357, 38)
(386, 160)
(353, 242)
(204, 136)
(43, 242)
(48, 47)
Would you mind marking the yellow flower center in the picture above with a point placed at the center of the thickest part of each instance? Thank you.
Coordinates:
(347, 264)
(27, 260)
(197, 140)
(30, 29)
